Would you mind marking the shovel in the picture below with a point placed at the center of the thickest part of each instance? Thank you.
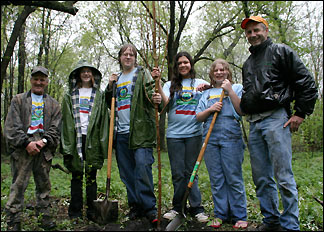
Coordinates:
(180, 218)
(105, 210)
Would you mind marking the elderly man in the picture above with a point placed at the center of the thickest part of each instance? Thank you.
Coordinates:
(32, 132)
(274, 76)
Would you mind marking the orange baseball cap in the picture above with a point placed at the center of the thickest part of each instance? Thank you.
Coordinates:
(256, 19)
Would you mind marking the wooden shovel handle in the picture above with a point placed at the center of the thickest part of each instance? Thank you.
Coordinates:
(203, 148)
(111, 130)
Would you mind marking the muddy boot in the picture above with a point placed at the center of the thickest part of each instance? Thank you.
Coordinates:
(47, 223)
(13, 220)
(14, 226)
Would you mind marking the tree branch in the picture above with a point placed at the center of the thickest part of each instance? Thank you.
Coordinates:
(66, 6)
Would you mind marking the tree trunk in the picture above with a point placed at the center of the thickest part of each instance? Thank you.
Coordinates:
(21, 60)
(13, 38)
(42, 45)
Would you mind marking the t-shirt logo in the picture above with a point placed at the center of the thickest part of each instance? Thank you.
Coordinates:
(123, 92)
(124, 95)
(36, 124)
(37, 112)
(84, 105)
(186, 96)
(186, 102)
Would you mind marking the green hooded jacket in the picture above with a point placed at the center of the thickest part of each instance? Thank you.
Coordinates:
(142, 131)
(98, 128)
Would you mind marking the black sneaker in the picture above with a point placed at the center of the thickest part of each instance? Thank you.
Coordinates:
(152, 219)
(269, 227)
(133, 214)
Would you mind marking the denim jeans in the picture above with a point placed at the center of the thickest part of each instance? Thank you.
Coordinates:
(224, 157)
(271, 154)
(135, 170)
(183, 154)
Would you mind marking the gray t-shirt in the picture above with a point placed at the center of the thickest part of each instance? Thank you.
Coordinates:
(124, 93)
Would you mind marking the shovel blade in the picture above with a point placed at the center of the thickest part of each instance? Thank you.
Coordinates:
(175, 223)
(105, 211)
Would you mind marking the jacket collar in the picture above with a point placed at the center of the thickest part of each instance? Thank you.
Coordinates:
(260, 47)
(29, 94)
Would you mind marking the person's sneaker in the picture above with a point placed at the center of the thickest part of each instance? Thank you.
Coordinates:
(201, 217)
(269, 227)
(133, 214)
(152, 219)
(170, 215)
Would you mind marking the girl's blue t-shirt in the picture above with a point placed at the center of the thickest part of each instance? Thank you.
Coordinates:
(182, 121)
(211, 96)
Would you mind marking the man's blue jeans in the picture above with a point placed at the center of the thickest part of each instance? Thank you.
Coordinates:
(183, 154)
(135, 170)
(271, 154)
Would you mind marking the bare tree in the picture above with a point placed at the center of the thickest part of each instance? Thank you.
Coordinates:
(29, 7)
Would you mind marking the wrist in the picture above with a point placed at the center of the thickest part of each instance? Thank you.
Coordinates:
(44, 141)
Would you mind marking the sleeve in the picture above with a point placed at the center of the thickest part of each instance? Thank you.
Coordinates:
(14, 129)
(302, 82)
(68, 134)
(149, 84)
(54, 132)
(166, 89)
(104, 128)
(202, 104)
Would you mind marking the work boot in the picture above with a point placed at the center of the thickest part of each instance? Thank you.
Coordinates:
(14, 226)
(47, 223)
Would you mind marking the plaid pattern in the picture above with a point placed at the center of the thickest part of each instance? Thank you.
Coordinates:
(133, 87)
(76, 113)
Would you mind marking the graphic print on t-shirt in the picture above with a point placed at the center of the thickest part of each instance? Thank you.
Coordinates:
(84, 104)
(36, 117)
(124, 95)
(186, 102)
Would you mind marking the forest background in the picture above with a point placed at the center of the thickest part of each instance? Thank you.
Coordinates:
(57, 34)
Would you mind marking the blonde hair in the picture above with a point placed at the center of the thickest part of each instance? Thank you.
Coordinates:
(226, 66)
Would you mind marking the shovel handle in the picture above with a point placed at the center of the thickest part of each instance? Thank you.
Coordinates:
(203, 148)
(111, 130)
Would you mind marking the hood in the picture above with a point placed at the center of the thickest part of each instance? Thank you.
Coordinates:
(76, 73)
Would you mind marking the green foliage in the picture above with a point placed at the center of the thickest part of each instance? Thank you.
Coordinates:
(310, 134)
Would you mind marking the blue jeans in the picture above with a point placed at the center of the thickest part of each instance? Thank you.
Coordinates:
(135, 170)
(183, 154)
(271, 154)
(224, 157)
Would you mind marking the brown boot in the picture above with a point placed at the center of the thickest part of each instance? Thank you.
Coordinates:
(47, 223)
(14, 226)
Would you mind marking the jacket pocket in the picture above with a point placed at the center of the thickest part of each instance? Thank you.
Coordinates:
(17, 153)
(48, 155)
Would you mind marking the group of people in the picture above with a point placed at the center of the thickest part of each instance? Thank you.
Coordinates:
(273, 77)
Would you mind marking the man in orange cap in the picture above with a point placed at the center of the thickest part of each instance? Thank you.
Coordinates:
(274, 76)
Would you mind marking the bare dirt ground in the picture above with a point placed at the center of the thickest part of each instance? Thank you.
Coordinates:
(141, 224)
